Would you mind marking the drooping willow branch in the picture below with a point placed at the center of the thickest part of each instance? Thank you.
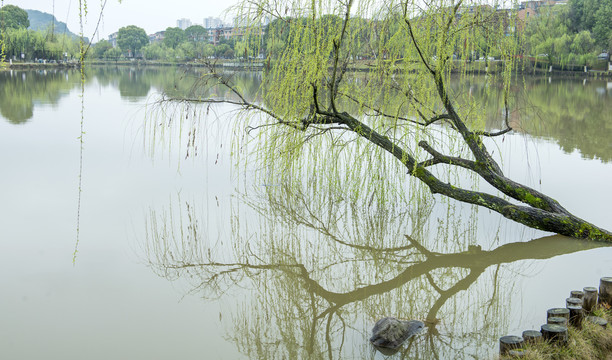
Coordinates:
(334, 81)
(378, 112)
(541, 212)
(533, 209)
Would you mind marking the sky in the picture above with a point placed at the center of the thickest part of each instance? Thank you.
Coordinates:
(151, 15)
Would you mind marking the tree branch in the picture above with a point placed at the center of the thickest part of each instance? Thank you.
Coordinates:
(414, 41)
(337, 44)
(492, 134)
(434, 118)
(439, 158)
(506, 121)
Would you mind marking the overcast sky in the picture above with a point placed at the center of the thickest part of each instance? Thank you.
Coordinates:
(151, 15)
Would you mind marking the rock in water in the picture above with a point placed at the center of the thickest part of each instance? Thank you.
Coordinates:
(390, 332)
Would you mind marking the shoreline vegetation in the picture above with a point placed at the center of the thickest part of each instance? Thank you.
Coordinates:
(473, 67)
(579, 331)
(590, 341)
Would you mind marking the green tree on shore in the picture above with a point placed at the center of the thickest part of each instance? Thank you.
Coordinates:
(132, 38)
(101, 48)
(174, 36)
(566, 35)
(196, 33)
(594, 16)
(602, 30)
(37, 45)
(13, 17)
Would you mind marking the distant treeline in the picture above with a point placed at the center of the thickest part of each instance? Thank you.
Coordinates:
(573, 34)
(576, 33)
(17, 42)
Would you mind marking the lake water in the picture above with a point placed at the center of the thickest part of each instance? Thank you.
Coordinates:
(191, 245)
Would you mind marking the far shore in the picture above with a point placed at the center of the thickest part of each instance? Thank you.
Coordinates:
(475, 67)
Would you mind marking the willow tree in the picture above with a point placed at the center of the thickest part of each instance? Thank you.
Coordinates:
(397, 100)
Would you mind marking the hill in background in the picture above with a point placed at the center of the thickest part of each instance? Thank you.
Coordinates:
(41, 21)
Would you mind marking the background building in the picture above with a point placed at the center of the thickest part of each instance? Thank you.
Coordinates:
(183, 23)
(212, 23)
(157, 37)
(112, 38)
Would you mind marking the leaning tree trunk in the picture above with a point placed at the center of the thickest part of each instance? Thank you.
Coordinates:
(540, 211)
(536, 210)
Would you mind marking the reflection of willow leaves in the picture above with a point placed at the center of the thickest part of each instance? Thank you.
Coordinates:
(324, 268)
(21, 90)
(327, 253)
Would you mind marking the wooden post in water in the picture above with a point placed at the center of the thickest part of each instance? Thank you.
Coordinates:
(554, 333)
(575, 316)
(590, 298)
(557, 312)
(573, 302)
(510, 342)
(577, 294)
(557, 320)
(605, 290)
(532, 336)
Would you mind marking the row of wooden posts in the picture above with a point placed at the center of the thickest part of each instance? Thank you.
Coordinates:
(579, 307)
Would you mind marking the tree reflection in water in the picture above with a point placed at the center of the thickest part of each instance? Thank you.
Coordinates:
(327, 245)
(21, 91)
(571, 112)
(322, 270)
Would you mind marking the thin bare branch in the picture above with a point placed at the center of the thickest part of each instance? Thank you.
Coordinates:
(493, 134)
(337, 44)
(415, 42)
(439, 158)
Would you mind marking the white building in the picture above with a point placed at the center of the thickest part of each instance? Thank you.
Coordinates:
(183, 23)
(112, 38)
(212, 23)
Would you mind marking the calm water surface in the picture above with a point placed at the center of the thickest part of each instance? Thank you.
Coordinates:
(190, 247)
